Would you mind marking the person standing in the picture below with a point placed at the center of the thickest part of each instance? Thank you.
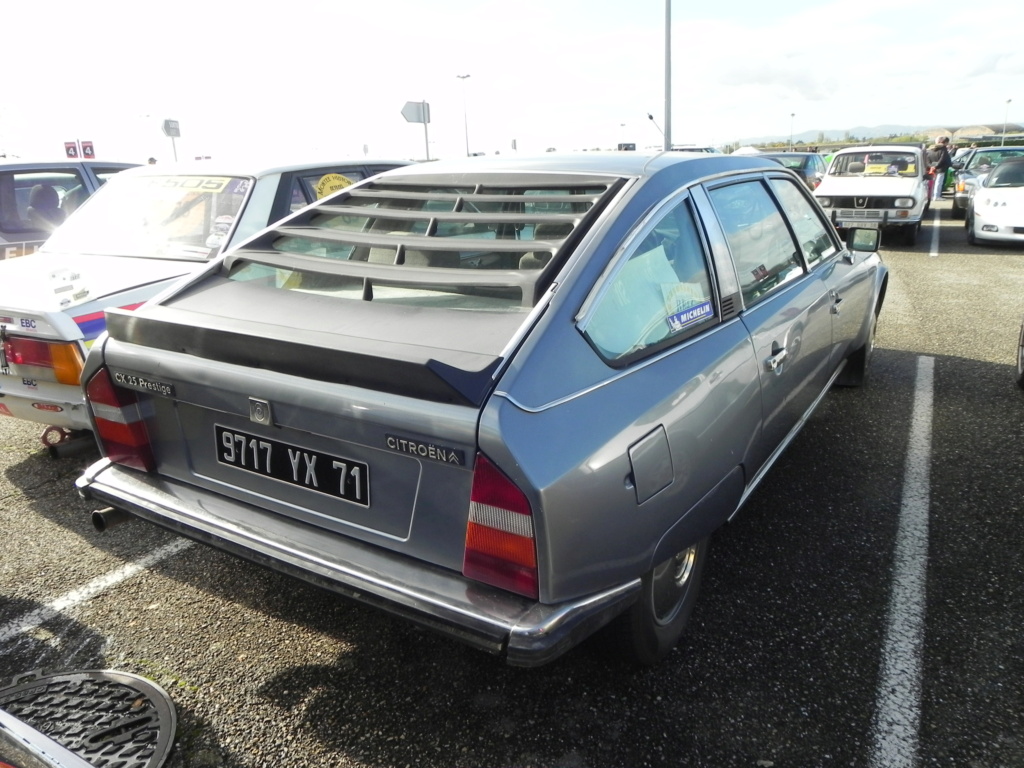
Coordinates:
(939, 162)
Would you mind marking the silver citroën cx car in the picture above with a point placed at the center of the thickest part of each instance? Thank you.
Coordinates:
(507, 399)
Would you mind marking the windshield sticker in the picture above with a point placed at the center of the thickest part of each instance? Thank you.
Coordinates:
(331, 183)
(194, 183)
(690, 316)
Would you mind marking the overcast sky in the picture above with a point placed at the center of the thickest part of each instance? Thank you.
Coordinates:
(319, 78)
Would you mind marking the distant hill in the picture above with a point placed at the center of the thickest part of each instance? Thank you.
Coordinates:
(861, 131)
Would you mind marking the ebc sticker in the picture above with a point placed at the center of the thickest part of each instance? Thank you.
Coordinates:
(330, 183)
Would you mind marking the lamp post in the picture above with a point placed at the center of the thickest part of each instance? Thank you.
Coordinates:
(791, 116)
(465, 118)
(1006, 114)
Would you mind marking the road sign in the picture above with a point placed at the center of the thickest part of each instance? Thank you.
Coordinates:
(87, 150)
(171, 129)
(416, 112)
(71, 149)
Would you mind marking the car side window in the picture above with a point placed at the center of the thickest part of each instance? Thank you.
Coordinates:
(811, 233)
(660, 294)
(37, 202)
(759, 240)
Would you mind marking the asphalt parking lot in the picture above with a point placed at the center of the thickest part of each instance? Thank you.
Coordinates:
(864, 609)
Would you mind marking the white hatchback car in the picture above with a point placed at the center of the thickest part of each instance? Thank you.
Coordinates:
(142, 232)
(881, 187)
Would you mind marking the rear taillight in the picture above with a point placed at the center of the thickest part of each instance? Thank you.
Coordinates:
(64, 359)
(120, 429)
(500, 545)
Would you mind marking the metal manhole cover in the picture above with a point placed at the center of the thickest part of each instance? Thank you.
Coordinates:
(107, 718)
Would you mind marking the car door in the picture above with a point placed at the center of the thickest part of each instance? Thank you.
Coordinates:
(786, 309)
(844, 272)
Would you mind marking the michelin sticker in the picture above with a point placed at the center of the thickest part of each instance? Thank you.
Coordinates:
(331, 183)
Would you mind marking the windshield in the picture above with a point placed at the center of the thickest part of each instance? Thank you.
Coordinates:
(875, 164)
(1007, 175)
(985, 160)
(159, 217)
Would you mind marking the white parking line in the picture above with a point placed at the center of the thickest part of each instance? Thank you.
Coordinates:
(898, 703)
(933, 249)
(33, 619)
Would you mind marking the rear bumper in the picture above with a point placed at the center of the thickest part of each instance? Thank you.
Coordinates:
(527, 633)
(45, 403)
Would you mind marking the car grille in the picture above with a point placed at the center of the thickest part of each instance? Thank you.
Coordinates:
(846, 214)
(861, 203)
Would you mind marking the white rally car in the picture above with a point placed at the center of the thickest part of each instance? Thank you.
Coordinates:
(142, 232)
(881, 187)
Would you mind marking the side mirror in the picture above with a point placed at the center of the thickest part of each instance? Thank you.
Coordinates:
(864, 240)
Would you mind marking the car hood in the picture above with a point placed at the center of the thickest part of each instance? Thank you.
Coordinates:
(47, 282)
(867, 185)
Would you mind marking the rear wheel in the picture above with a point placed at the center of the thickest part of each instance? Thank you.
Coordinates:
(855, 372)
(652, 627)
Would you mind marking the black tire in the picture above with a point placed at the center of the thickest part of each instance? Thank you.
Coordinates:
(910, 234)
(855, 372)
(972, 239)
(651, 628)
(1020, 357)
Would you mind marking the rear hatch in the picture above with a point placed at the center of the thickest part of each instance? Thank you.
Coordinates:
(333, 370)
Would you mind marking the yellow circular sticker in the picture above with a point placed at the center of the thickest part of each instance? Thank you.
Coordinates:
(330, 183)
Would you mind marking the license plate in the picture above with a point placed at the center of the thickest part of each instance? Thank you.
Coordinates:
(332, 475)
(859, 224)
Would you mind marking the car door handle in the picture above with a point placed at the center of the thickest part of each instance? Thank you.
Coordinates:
(836, 301)
(774, 363)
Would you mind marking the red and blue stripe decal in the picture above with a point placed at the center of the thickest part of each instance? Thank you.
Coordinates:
(94, 323)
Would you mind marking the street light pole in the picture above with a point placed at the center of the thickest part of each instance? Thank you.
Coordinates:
(1006, 114)
(465, 118)
(791, 116)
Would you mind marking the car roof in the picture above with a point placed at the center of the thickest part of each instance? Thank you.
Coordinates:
(21, 164)
(255, 170)
(633, 164)
(881, 148)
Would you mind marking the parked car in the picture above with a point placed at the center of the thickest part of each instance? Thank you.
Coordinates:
(883, 186)
(810, 166)
(507, 399)
(971, 170)
(35, 197)
(146, 228)
(995, 209)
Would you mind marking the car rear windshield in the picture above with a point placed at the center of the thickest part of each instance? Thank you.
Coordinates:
(486, 245)
(159, 217)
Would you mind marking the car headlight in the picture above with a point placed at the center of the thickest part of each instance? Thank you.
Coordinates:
(905, 202)
(825, 202)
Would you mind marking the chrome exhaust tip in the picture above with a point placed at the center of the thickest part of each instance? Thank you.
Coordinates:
(102, 519)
